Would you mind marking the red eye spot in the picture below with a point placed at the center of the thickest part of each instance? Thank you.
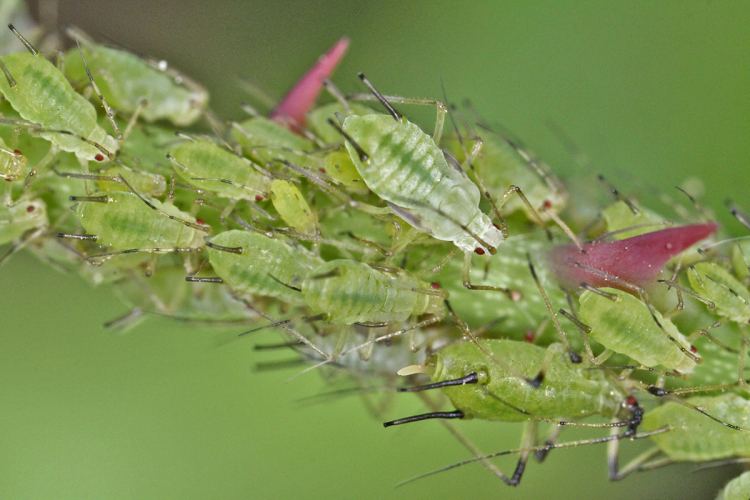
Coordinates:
(30, 208)
(547, 204)
(529, 337)
(496, 226)
(434, 285)
(631, 401)
(8, 180)
(99, 157)
(677, 372)
(322, 170)
(258, 198)
(17, 153)
(479, 251)
(199, 221)
(693, 348)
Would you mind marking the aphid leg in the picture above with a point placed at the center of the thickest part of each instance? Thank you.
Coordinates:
(615, 472)
(127, 321)
(511, 294)
(574, 356)
(583, 329)
(134, 119)
(551, 439)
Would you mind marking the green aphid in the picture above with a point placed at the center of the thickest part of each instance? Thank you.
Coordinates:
(210, 167)
(339, 167)
(694, 437)
(12, 163)
(292, 207)
(568, 390)
(729, 296)
(20, 218)
(317, 119)
(619, 215)
(254, 264)
(126, 80)
(349, 292)
(41, 94)
(123, 220)
(740, 256)
(266, 141)
(140, 181)
(501, 164)
(622, 323)
(736, 489)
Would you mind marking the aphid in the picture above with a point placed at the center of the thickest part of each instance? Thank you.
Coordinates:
(18, 219)
(134, 223)
(265, 141)
(208, 166)
(128, 81)
(736, 489)
(292, 207)
(727, 295)
(111, 179)
(480, 388)
(622, 323)
(38, 91)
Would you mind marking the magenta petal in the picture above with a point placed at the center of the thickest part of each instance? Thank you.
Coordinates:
(298, 101)
(637, 260)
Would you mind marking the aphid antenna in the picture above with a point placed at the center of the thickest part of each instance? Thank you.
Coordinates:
(363, 156)
(23, 40)
(574, 356)
(286, 322)
(337, 94)
(193, 225)
(387, 105)
(568, 143)
(231, 183)
(194, 279)
(259, 94)
(107, 109)
(687, 291)
(139, 250)
(720, 463)
(39, 129)
(643, 225)
(739, 213)
(698, 207)
(619, 195)
(644, 297)
(698, 409)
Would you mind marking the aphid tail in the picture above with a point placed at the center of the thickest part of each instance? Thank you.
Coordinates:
(637, 260)
(298, 101)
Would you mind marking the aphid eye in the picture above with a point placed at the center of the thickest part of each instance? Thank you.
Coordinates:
(479, 251)
(8, 180)
(258, 198)
(630, 401)
(200, 221)
(30, 208)
(17, 153)
(693, 349)
(529, 337)
(547, 204)
(434, 285)
(99, 157)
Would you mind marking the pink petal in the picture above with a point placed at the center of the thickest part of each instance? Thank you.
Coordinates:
(637, 260)
(298, 101)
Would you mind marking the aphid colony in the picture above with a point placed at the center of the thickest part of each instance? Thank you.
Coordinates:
(378, 249)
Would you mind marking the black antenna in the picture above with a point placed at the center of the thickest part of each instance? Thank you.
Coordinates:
(395, 114)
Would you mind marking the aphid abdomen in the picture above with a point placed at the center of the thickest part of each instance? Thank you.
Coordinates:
(140, 182)
(262, 259)
(566, 392)
(125, 222)
(696, 438)
(352, 292)
(626, 326)
(736, 489)
(714, 283)
(42, 95)
(637, 260)
(292, 207)
(267, 141)
(205, 160)
(406, 168)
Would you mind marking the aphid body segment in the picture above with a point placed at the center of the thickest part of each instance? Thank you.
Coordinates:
(22, 217)
(140, 181)
(292, 207)
(44, 96)
(405, 167)
(623, 323)
(126, 80)
(736, 489)
(636, 261)
(568, 391)
(696, 438)
(716, 284)
(263, 265)
(352, 292)
(124, 221)
(208, 166)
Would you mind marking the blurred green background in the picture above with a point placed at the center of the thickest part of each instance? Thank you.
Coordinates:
(651, 92)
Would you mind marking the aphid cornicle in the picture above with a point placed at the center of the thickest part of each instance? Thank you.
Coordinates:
(38, 91)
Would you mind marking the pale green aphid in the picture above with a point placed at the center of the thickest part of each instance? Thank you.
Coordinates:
(622, 323)
(141, 182)
(349, 292)
(619, 216)
(12, 164)
(128, 221)
(266, 141)
(17, 219)
(339, 167)
(127, 80)
(292, 207)
(729, 296)
(736, 489)
(208, 166)
(41, 94)
(254, 264)
(568, 390)
(695, 438)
